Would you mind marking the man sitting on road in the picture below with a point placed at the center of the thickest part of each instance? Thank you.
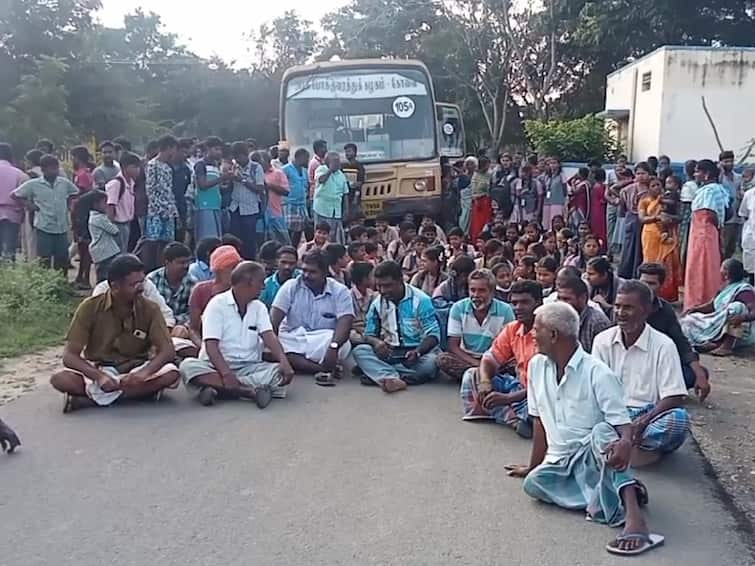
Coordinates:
(312, 316)
(116, 332)
(222, 263)
(664, 320)
(235, 327)
(582, 434)
(173, 280)
(473, 323)
(648, 365)
(592, 320)
(402, 333)
(488, 392)
(286, 258)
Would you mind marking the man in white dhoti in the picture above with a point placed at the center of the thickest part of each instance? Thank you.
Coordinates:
(312, 315)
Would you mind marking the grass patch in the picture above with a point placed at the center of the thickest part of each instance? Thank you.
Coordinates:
(36, 305)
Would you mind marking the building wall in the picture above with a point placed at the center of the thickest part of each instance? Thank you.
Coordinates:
(726, 78)
(644, 123)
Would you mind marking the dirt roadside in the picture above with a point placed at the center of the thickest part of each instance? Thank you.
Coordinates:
(724, 426)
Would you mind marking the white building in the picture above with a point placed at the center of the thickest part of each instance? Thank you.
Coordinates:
(657, 102)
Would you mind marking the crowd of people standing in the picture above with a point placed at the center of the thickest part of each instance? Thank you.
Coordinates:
(548, 298)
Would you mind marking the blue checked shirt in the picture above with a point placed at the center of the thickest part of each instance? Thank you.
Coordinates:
(177, 300)
(403, 325)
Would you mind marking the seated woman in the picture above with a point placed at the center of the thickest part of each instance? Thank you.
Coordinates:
(725, 323)
(602, 283)
(430, 274)
(455, 287)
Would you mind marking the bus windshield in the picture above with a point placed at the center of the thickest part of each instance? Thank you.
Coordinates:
(387, 112)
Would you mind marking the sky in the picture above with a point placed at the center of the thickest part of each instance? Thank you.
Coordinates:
(217, 32)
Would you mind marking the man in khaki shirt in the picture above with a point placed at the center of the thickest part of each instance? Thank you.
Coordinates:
(117, 332)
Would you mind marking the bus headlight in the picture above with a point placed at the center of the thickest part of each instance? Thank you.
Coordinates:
(420, 185)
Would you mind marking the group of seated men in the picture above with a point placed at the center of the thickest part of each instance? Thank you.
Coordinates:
(593, 396)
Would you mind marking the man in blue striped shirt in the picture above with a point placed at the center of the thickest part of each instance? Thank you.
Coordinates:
(401, 331)
(473, 324)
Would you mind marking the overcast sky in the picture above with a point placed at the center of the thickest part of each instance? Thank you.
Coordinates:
(216, 29)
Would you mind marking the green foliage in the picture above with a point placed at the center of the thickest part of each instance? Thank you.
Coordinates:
(580, 139)
(39, 106)
(35, 306)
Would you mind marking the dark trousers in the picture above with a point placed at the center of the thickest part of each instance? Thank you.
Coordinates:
(732, 234)
(245, 229)
(8, 239)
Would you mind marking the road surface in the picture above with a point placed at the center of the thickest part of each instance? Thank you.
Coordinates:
(346, 475)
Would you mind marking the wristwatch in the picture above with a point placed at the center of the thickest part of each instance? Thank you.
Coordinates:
(334, 346)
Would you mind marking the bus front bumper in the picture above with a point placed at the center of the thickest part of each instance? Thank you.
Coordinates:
(397, 208)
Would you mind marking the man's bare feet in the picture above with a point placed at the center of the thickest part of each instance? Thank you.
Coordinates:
(642, 458)
(393, 385)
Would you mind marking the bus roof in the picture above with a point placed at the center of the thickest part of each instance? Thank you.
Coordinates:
(326, 66)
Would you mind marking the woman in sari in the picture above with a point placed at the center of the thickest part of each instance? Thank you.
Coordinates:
(482, 206)
(702, 277)
(631, 249)
(686, 197)
(463, 182)
(725, 323)
(578, 202)
(555, 192)
(660, 239)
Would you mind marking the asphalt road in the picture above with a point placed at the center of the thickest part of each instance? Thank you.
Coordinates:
(329, 476)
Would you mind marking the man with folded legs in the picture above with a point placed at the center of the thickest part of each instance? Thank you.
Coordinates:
(235, 328)
(312, 316)
(108, 348)
(649, 368)
(582, 434)
(491, 392)
(401, 331)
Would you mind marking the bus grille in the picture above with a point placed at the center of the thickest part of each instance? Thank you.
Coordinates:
(377, 190)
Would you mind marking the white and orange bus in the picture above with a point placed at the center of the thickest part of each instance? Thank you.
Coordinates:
(388, 109)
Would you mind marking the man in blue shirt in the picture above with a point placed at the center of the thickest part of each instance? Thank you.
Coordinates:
(401, 331)
(286, 258)
(297, 215)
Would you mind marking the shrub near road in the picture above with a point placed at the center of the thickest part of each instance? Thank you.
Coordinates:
(36, 305)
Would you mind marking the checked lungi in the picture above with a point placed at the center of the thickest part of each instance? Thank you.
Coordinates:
(505, 414)
(666, 432)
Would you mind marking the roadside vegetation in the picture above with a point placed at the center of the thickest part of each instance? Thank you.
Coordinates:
(36, 305)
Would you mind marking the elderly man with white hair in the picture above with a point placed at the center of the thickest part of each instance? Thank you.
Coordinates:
(582, 434)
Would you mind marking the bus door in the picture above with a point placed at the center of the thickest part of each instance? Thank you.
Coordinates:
(451, 142)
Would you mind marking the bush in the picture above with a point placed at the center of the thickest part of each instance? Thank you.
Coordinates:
(35, 307)
(581, 139)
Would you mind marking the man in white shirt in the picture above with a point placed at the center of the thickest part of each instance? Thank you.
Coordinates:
(582, 434)
(649, 368)
(235, 328)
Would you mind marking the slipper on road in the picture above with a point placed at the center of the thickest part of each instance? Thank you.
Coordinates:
(325, 379)
(649, 542)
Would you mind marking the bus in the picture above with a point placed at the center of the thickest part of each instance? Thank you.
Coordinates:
(388, 109)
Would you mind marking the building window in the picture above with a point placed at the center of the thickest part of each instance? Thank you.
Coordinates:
(646, 79)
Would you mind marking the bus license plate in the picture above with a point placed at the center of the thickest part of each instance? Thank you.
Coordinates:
(372, 207)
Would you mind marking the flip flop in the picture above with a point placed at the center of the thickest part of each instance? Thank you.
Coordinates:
(324, 379)
(650, 541)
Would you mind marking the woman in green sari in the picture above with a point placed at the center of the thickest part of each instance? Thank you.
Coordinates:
(725, 323)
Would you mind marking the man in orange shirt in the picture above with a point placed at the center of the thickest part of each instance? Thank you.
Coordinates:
(490, 394)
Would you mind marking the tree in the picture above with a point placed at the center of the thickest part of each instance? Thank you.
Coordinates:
(39, 107)
(580, 139)
(289, 41)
